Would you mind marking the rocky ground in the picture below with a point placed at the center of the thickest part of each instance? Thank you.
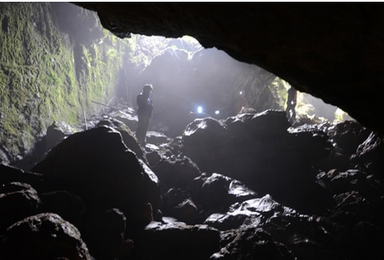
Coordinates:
(248, 187)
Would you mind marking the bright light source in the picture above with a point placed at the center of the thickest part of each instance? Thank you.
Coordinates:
(241, 93)
(217, 112)
(199, 109)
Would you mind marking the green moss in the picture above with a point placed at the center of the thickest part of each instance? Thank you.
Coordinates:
(41, 80)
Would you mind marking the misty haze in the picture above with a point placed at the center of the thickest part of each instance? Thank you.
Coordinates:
(186, 76)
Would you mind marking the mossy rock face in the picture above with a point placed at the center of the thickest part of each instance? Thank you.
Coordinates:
(42, 80)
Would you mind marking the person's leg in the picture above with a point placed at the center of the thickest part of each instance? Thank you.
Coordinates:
(139, 130)
(146, 121)
(288, 111)
(294, 112)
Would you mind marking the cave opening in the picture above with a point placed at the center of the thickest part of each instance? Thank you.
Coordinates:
(191, 81)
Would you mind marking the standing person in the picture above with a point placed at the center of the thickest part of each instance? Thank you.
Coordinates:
(291, 103)
(144, 112)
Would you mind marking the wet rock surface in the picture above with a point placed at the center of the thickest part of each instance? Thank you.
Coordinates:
(247, 187)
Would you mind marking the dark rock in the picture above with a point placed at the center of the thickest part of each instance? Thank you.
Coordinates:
(179, 205)
(69, 206)
(219, 191)
(238, 192)
(151, 191)
(157, 138)
(43, 236)
(17, 201)
(173, 197)
(128, 118)
(205, 142)
(152, 154)
(369, 155)
(223, 221)
(265, 124)
(348, 135)
(253, 243)
(367, 241)
(300, 234)
(97, 166)
(104, 233)
(348, 181)
(56, 132)
(256, 210)
(176, 241)
(176, 172)
(128, 136)
(186, 212)
(258, 150)
(13, 174)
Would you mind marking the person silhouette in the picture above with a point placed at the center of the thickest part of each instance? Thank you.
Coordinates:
(291, 103)
(144, 112)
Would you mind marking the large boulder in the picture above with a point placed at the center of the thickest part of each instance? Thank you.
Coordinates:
(126, 133)
(205, 142)
(98, 167)
(43, 236)
(17, 201)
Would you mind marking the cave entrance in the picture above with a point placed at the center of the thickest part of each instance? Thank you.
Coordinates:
(191, 81)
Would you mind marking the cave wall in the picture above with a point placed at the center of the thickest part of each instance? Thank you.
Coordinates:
(49, 71)
(331, 50)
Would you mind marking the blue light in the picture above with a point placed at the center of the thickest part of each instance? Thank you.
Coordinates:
(199, 109)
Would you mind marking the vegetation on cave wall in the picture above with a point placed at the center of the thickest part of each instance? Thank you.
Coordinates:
(50, 72)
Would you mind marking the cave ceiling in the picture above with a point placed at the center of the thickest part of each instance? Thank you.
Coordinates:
(334, 51)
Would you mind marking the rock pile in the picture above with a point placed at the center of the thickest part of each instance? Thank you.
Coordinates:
(248, 187)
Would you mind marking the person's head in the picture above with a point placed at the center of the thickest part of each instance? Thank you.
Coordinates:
(147, 88)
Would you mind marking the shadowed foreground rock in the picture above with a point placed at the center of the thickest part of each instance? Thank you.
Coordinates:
(176, 240)
(17, 201)
(104, 233)
(43, 236)
(67, 205)
(97, 166)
